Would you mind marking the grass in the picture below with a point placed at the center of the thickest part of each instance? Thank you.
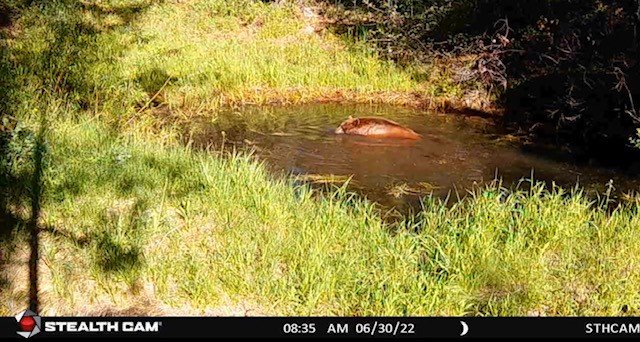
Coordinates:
(196, 56)
(131, 218)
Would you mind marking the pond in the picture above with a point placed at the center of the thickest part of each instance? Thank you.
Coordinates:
(455, 154)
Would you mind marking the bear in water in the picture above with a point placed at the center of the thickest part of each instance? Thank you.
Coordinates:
(376, 127)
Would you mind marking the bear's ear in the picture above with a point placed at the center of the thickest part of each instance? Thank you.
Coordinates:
(350, 117)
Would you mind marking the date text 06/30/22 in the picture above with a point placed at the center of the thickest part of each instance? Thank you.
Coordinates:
(374, 328)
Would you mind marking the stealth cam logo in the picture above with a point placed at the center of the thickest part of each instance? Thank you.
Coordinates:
(30, 323)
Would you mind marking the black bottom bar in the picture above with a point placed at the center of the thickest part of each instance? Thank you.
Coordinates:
(353, 327)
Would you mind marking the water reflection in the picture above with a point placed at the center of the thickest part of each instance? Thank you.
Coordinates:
(455, 153)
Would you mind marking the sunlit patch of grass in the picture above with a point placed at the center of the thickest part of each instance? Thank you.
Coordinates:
(122, 57)
(268, 54)
(209, 54)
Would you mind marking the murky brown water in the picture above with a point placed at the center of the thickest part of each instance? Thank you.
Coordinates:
(455, 153)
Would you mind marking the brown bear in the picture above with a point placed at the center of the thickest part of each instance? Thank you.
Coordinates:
(376, 127)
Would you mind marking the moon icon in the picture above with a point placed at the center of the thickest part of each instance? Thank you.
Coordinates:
(465, 328)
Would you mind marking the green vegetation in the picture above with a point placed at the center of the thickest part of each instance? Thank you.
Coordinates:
(195, 56)
(548, 64)
(131, 216)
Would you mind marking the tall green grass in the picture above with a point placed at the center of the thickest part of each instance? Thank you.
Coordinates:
(136, 218)
(132, 218)
(117, 57)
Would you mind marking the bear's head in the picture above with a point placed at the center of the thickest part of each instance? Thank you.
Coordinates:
(347, 125)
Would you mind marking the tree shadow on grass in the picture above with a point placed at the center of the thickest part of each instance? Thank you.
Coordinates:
(5, 16)
(57, 70)
(110, 255)
(115, 257)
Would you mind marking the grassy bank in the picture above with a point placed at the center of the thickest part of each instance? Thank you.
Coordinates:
(195, 56)
(136, 221)
(132, 221)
